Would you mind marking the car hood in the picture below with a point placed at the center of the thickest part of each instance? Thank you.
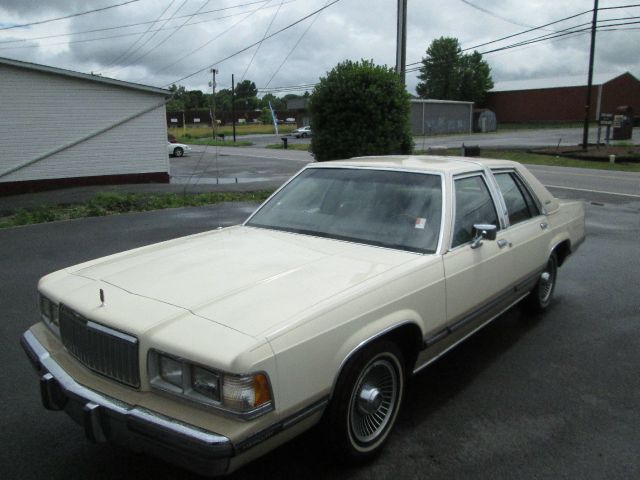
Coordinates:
(248, 279)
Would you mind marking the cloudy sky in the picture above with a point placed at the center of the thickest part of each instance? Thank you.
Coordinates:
(160, 42)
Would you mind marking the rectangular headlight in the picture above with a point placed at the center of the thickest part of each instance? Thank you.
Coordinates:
(50, 313)
(205, 382)
(246, 396)
(170, 371)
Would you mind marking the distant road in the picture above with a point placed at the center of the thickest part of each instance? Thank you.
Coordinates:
(623, 184)
(251, 164)
(545, 137)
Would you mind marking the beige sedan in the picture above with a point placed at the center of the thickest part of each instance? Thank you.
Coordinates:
(210, 350)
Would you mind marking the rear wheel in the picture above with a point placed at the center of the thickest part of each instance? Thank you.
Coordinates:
(366, 401)
(540, 297)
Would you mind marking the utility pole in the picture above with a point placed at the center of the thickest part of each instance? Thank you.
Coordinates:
(401, 41)
(213, 103)
(587, 107)
(233, 106)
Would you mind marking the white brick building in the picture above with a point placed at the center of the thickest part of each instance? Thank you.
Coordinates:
(62, 128)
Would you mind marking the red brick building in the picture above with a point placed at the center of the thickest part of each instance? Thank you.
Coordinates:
(562, 99)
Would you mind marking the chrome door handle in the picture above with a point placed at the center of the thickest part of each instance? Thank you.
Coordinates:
(544, 225)
(502, 243)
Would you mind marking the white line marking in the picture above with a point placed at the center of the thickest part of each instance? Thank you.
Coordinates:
(594, 191)
(575, 174)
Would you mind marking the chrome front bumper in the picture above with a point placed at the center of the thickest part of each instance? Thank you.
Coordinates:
(107, 419)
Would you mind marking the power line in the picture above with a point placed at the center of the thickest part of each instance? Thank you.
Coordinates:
(562, 34)
(126, 52)
(255, 52)
(496, 15)
(553, 36)
(140, 57)
(291, 88)
(540, 27)
(70, 42)
(315, 12)
(129, 25)
(40, 22)
(291, 51)
(205, 44)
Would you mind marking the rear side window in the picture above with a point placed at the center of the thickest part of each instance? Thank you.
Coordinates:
(473, 205)
(519, 201)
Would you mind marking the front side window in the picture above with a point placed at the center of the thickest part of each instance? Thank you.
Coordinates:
(519, 202)
(386, 208)
(473, 205)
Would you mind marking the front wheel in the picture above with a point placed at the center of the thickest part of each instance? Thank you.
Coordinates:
(540, 297)
(366, 402)
(178, 152)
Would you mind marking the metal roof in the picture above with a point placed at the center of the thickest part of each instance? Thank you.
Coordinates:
(553, 82)
(83, 76)
(433, 100)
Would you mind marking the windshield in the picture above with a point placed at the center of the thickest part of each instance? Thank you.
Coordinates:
(377, 207)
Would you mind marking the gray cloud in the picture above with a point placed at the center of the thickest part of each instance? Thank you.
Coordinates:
(351, 29)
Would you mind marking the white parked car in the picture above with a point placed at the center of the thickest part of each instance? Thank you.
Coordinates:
(303, 132)
(212, 349)
(177, 149)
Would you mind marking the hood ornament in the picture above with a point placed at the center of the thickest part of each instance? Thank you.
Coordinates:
(101, 298)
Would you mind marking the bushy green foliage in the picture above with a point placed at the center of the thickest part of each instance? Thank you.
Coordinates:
(359, 109)
(113, 203)
(449, 74)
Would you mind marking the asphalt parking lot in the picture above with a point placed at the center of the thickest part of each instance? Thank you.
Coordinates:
(528, 397)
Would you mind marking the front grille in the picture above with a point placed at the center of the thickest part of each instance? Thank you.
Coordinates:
(102, 349)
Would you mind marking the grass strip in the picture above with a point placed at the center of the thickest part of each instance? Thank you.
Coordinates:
(214, 143)
(305, 147)
(112, 203)
(227, 130)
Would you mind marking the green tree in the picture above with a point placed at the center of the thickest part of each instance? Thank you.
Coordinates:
(475, 78)
(359, 108)
(246, 89)
(265, 116)
(246, 95)
(223, 100)
(176, 103)
(278, 104)
(449, 74)
(195, 99)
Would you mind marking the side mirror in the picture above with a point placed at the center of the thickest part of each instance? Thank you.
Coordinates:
(483, 231)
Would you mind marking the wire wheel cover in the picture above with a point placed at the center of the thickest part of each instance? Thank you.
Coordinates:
(373, 401)
(547, 279)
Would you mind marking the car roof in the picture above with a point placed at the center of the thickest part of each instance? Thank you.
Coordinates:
(428, 163)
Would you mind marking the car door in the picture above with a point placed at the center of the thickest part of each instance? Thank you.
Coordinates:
(527, 227)
(477, 279)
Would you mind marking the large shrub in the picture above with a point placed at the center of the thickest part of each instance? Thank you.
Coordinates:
(359, 109)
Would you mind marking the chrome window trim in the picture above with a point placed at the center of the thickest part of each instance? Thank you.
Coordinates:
(541, 209)
(482, 174)
(439, 247)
